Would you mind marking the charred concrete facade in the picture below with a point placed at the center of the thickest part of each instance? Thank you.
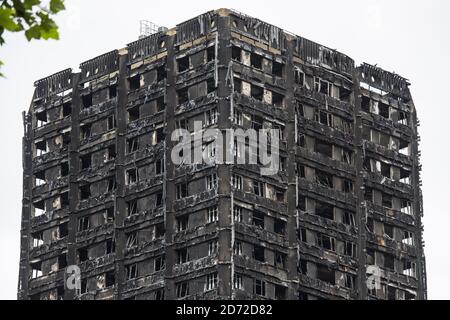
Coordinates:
(100, 190)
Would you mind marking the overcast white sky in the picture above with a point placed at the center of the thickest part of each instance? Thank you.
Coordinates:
(408, 37)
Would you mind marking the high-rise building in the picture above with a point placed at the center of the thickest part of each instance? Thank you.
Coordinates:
(103, 198)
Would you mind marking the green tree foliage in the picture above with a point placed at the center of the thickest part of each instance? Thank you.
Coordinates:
(33, 17)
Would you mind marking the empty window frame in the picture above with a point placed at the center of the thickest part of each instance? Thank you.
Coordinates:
(213, 247)
(406, 207)
(36, 270)
(86, 161)
(182, 289)
(257, 92)
(183, 95)
(160, 263)
(87, 100)
(64, 170)
(384, 110)
(326, 242)
(131, 176)
(41, 118)
(112, 91)
(132, 144)
(324, 118)
(132, 239)
(324, 210)
(277, 69)
(350, 249)
(386, 200)
(83, 254)
(325, 274)
(258, 188)
(132, 207)
(37, 238)
(41, 147)
(183, 64)
(39, 178)
(182, 124)
(84, 223)
(280, 292)
(110, 246)
(211, 181)
(408, 238)
(110, 153)
(108, 215)
(258, 219)
(403, 118)
(211, 281)
(324, 178)
(159, 230)
(183, 255)
(349, 281)
(85, 191)
(131, 271)
(238, 117)
(256, 60)
(409, 268)
(324, 148)
(302, 235)
(347, 186)
(260, 287)
(236, 53)
(67, 109)
(279, 226)
(388, 231)
(210, 85)
(85, 131)
(258, 253)
(299, 77)
(159, 166)
(210, 53)
(39, 208)
(182, 222)
(237, 248)
(322, 86)
(237, 281)
(236, 181)
(237, 213)
(135, 82)
(110, 279)
(159, 198)
(182, 190)
(160, 104)
(133, 113)
(213, 214)
(280, 260)
(161, 73)
(389, 261)
(110, 122)
(277, 99)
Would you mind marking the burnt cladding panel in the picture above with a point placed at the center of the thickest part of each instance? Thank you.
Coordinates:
(319, 55)
(259, 30)
(53, 84)
(384, 80)
(146, 47)
(195, 28)
(99, 66)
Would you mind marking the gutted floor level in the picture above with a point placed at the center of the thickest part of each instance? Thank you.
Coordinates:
(341, 219)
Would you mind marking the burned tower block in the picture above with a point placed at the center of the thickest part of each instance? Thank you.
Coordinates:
(102, 198)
